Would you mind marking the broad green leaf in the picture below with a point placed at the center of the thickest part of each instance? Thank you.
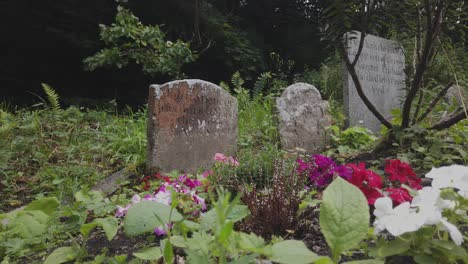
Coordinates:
(110, 225)
(87, 228)
(144, 216)
(323, 260)
(366, 261)
(424, 259)
(152, 253)
(251, 242)
(344, 216)
(391, 248)
(46, 205)
(208, 220)
(29, 224)
(178, 241)
(62, 255)
(292, 252)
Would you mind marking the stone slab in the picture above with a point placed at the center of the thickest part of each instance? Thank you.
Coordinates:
(188, 122)
(380, 69)
(303, 118)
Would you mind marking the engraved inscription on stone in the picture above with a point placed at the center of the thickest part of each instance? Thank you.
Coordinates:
(380, 69)
(303, 118)
(189, 121)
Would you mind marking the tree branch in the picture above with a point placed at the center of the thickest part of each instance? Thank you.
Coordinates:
(450, 120)
(435, 101)
(428, 51)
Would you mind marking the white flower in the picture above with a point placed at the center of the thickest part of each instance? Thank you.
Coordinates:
(397, 221)
(455, 176)
(455, 234)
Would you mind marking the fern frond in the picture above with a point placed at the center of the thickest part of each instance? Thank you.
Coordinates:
(261, 84)
(237, 81)
(52, 97)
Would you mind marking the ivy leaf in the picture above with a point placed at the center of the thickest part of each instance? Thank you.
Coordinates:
(110, 225)
(344, 216)
(152, 253)
(292, 252)
(46, 205)
(62, 255)
(144, 216)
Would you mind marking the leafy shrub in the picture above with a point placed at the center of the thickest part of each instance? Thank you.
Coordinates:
(129, 40)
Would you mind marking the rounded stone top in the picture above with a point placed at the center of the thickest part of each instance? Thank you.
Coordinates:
(191, 83)
(302, 90)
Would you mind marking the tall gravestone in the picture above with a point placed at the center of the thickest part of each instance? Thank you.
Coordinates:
(303, 118)
(189, 121)
(380, 69)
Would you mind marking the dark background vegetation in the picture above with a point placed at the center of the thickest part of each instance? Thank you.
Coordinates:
(46, 41)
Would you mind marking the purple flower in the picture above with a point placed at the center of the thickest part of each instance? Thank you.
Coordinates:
(323, 162)
(344, 172)
(159, 231)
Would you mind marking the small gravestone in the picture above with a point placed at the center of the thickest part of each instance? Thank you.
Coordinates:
(380, 69)
(303, 118)
(189, 121)
(453, 97)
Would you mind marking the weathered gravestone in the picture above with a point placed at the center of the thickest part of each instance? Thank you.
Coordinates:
(189, 121)
(380, 69)
(302, 118)
(455, 95)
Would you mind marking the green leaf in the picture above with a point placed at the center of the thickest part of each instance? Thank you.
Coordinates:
(344, 216)
(292, 252)
(144, 216)
(62, 255)
(178, 241)
(46, 205)
(366, 261)
(390, 248)
(110, 225)
(251, 242)
(87, 228)
(226, 231)
(424, 259)
(152, 253)
(168, 252)
(238, 212)
(29, 224)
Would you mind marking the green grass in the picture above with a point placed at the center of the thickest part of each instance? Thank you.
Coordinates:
(58, 152)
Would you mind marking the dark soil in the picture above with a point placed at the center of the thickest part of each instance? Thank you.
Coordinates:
(119, 245)
(308, 230)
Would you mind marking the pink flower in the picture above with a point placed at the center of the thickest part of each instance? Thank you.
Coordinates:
(207, 173)
(122, 211)
(227, 160)
(220, 157)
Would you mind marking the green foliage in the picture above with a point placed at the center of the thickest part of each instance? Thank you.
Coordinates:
(344, 216)
(143, 217)
(292, 252)
(59, 152)
(328, 79)
(52, 97)
(430, 149)
(129, 40)
(350, 141)
(62, 255)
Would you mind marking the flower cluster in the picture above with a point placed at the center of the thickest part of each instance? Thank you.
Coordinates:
(372, 185)
(367, 181)
(427, 207)
(226, 160)
(321, 170)
(186, 189)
